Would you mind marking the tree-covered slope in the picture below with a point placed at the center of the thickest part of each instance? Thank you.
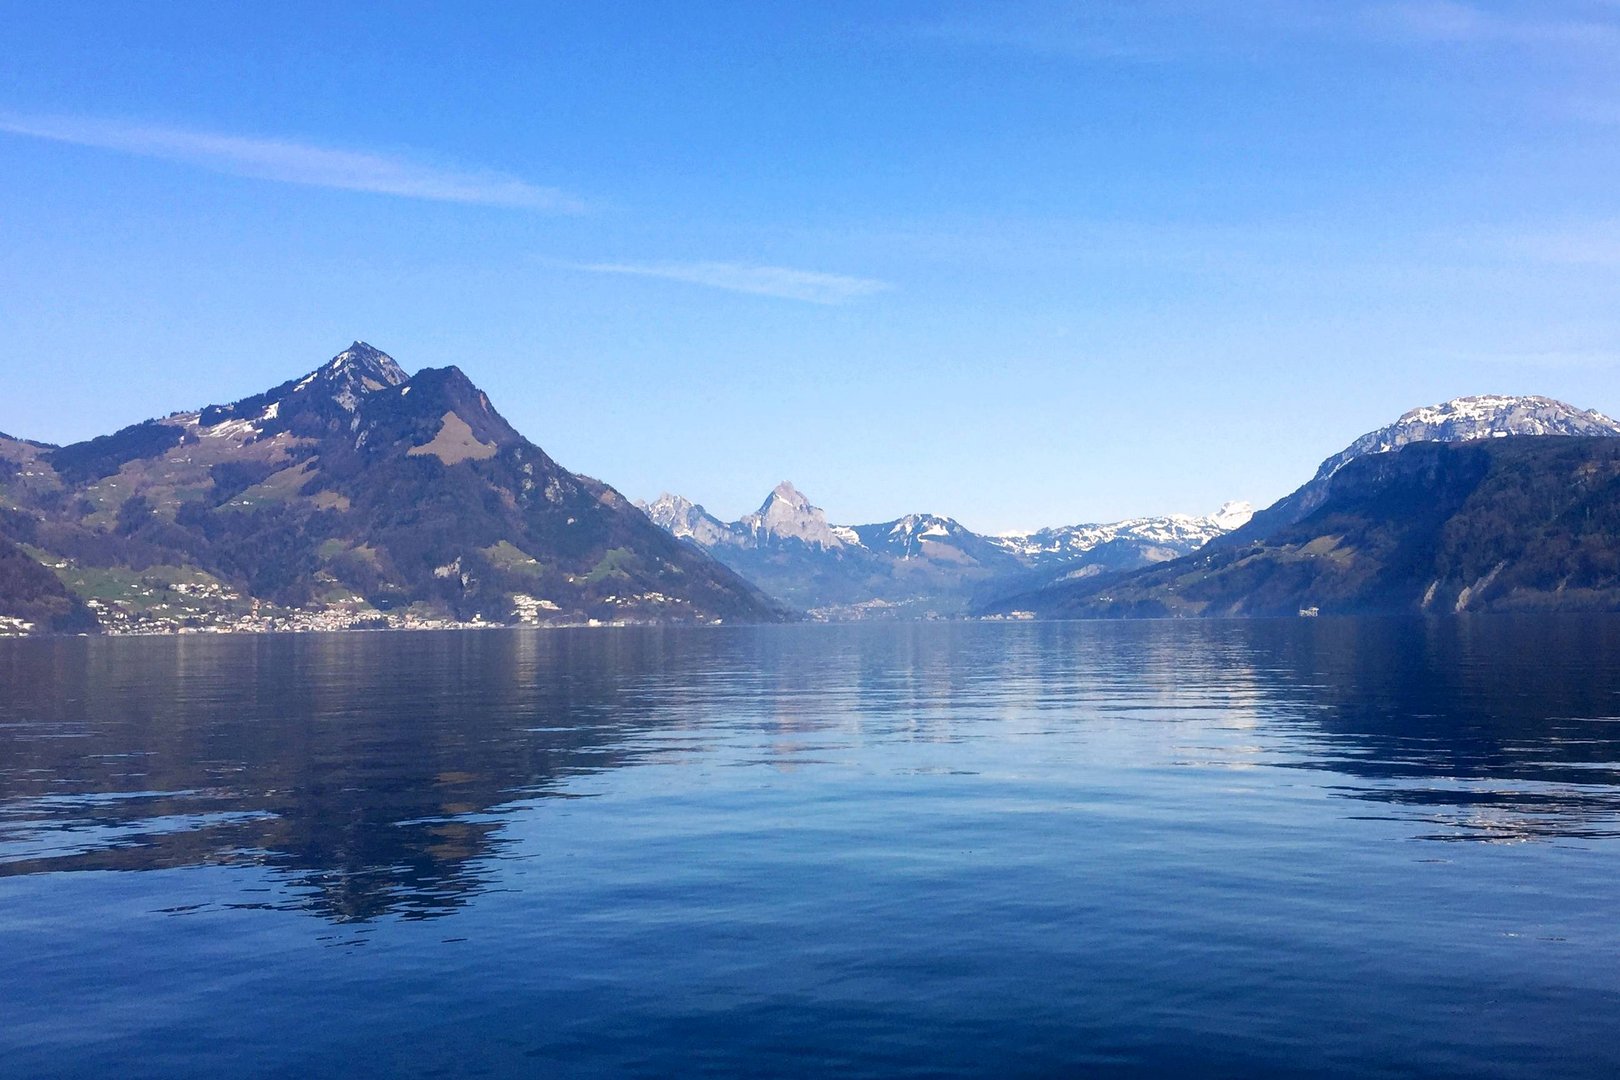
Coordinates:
(32, 599)
(1509, 524)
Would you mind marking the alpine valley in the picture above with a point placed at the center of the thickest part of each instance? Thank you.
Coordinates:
(353, 496)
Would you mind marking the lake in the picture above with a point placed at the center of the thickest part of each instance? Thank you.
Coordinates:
(1328, 846)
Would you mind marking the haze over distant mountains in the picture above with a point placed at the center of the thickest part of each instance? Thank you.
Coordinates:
(918, 565)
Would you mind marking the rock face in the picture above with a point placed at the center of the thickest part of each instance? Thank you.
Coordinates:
(919, 565)
(786, 515)
(685, 520)
(788, 549)
(1459, 420)
(354, 491)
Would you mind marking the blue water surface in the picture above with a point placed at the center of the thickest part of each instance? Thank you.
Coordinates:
(1332, 847)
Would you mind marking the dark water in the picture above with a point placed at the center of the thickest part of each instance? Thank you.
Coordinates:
(1311, 846)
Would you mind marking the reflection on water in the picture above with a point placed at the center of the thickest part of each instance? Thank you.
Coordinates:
(367, 769)
(1479, 729)
(1126, 849)
(374, 771)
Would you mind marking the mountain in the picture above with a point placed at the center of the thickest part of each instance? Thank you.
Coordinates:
(32, 599)
(1173, 533)
(1083, 550)
(685, 520)
(1464, 419)
(356, 493)
(1489, 416)
(919, 565)
(1487, 520)
(786, 516)
(788, 549)
(929, 536)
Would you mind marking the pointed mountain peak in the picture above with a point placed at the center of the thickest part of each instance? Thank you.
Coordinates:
(367, 363)
(671, 502)
(787, 515)
(785, 492)
(352, 373)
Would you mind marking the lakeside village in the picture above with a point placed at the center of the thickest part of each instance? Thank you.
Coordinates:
(150, 606)
(188, 602)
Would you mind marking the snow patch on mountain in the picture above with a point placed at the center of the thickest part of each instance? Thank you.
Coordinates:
(351, 374)
(1232, 515)
(1482, 417)
(788, 516)
(686, 520)
(240, 429)
(920, 536)
(1169, 534)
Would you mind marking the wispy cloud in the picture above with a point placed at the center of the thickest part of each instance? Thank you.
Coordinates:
(1168, 30)
(807, 285)
(296, 163)
(1470, 24)
(1129, 31)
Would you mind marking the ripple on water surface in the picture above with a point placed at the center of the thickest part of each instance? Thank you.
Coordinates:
(1363, 847)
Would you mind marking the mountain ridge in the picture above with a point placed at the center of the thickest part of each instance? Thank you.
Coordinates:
(1418, 496)
(355, 492)
(919, 564)
(1521, 523)
(360, 494)
(1463, 419)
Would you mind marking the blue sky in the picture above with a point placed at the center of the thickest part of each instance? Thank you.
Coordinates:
(1020, 263)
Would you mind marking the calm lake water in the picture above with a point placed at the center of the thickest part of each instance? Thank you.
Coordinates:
(1242, 848)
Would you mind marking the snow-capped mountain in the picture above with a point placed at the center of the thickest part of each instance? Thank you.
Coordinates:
(1529, 524)
(929, 536)
(1156, 538)
(1487, 416)
(686, 520)
(785, 516)
(919, 563)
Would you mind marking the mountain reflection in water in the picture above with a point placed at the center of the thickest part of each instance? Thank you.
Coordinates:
(375, 773)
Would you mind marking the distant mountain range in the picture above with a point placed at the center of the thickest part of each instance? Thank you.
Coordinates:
(918, 565)
(1479, 504)
(355, 494)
